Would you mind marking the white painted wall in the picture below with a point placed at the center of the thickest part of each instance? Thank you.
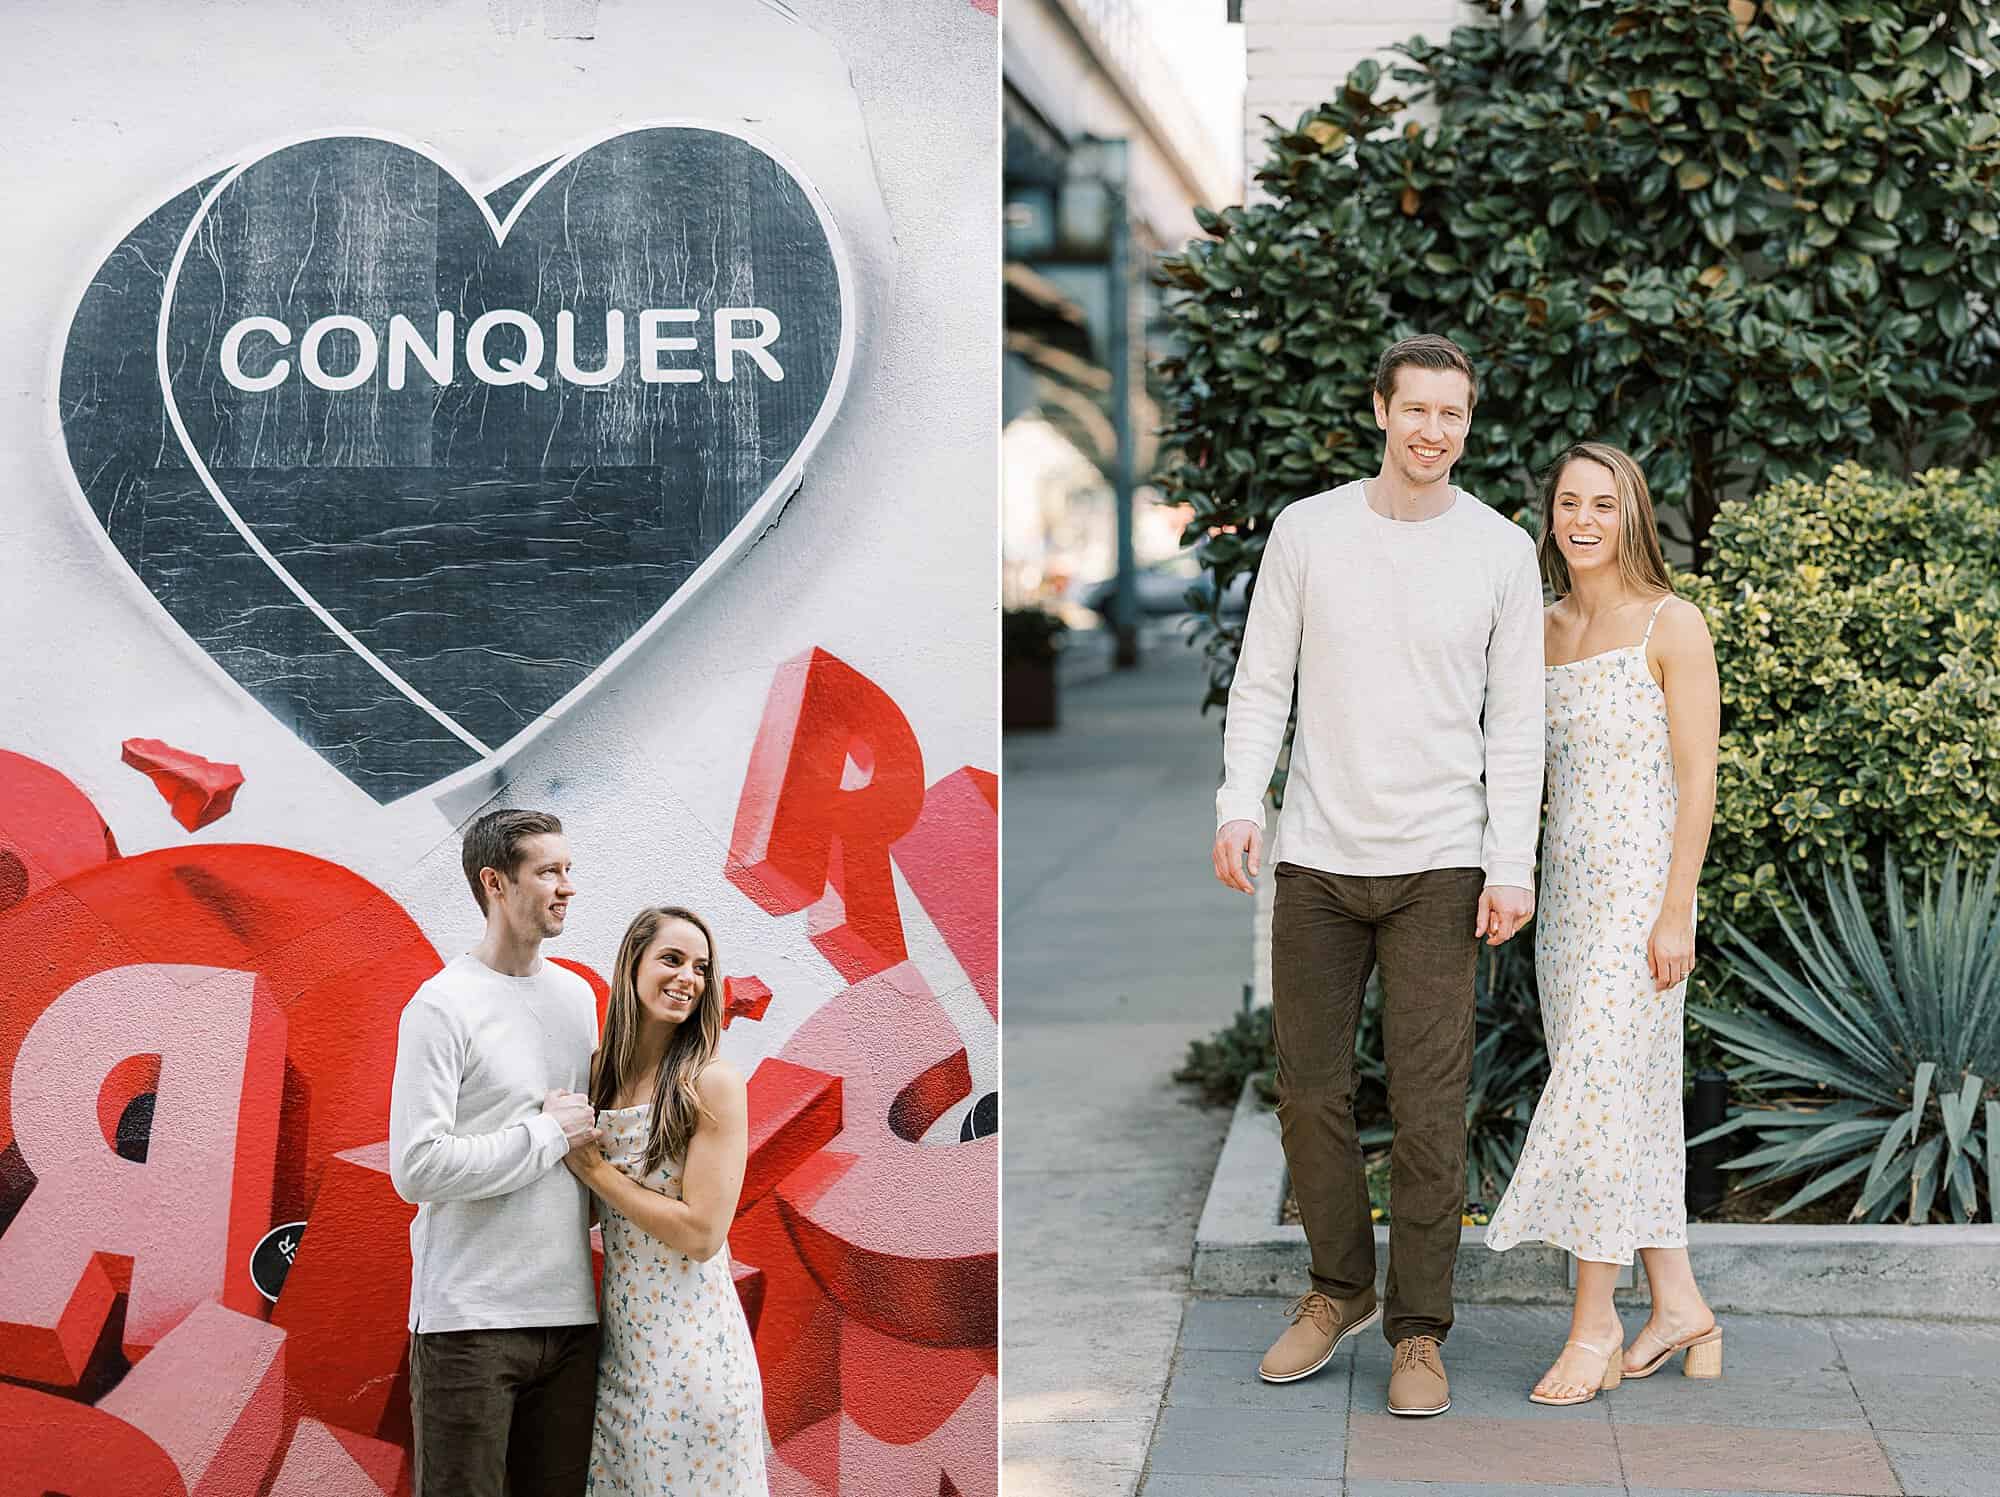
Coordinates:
(886, 556)
(1299, 51)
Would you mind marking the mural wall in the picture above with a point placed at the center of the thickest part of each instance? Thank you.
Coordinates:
(517, 404)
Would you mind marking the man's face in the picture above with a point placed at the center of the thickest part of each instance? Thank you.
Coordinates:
(1425, 419)
(535, 900)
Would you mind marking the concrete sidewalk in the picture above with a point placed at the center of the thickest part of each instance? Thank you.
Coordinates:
(1819, 1406)
(1120, 947)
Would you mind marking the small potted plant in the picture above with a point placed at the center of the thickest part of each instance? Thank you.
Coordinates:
(1030, 640)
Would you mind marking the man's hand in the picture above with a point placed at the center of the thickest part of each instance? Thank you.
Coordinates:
(1503, 909)
(578, 1118)
(1234, 841)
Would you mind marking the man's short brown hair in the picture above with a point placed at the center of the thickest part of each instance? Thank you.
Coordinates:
(1425, 351)
(494, 841)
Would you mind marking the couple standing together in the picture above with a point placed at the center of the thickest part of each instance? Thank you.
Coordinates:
(508, 1124)
(1411, 617)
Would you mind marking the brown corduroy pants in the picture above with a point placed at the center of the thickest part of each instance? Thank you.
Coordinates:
(504, 1413)
(1328, 931)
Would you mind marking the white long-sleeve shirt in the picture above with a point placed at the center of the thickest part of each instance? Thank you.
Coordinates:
(1417, 649)
(502, 1233)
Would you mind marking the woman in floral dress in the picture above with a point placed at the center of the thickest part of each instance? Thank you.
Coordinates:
(1633, 711)
(680, 1407)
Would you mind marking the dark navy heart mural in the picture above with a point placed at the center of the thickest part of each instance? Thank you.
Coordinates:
(414, 466)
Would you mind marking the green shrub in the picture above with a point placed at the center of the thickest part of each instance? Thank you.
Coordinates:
(1873, 1033)
(1857, 636)
(1738, 250)
(1218, 1066)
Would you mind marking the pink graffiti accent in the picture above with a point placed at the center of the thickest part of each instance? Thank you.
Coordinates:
(212, 1396)
(48, 829)
(987, 7)
(838, 1455)
(322, 1462)
(51, 1444)
(189, 1216)
(337, 954)
(951, 859)
(874, 1237)
(345, 1304)
(806, 839)
(743, 998)
(200, 790)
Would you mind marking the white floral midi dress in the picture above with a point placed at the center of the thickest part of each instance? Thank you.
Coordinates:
(680, 1405)
(1602, 1170)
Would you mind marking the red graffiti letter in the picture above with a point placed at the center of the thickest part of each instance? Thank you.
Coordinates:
(189, 1216)
(806, 836)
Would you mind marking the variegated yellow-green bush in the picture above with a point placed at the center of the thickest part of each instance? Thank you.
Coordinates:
(1857, 634)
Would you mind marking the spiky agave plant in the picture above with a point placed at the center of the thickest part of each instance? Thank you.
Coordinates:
(1876, 1048)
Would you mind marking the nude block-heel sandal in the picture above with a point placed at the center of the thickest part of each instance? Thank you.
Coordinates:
(1703, 1359)
(1614, 1370)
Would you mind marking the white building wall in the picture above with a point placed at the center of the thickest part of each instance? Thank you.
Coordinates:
(1300, 50)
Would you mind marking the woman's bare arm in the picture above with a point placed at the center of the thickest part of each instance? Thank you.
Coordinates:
(1686, 663)
(711, 1179)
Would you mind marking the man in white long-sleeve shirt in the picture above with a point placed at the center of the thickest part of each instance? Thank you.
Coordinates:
(492, 1059)
(1409, 615)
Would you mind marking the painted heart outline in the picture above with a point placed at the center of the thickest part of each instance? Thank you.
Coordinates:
(255, 561)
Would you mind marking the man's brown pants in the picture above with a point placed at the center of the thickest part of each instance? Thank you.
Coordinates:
(1328, 930)
(503, 1412)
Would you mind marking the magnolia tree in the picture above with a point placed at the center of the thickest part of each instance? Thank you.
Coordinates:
(1744, 241)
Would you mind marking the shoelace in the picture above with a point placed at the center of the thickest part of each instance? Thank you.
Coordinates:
(1416, 1349)
(1318, 1306)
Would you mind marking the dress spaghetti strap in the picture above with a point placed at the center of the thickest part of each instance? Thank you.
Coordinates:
(1650, 620)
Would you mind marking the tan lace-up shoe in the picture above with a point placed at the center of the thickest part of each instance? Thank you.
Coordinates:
(1319, 1324)
(1417, 1386)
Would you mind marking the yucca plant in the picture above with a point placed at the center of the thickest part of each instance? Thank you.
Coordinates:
(1874, 1047)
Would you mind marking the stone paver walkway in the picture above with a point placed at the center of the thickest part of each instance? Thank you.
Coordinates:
(1860, 1407)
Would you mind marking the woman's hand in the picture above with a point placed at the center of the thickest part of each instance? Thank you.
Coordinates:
(587, 1163)
(1669, 949)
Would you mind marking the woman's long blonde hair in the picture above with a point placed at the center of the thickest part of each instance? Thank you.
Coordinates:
(677, 1105)
(1641, 566)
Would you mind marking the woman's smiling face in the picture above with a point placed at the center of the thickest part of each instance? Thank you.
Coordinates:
(1586, 520)
(673, 973)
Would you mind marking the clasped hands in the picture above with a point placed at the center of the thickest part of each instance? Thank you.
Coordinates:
(578, 1119)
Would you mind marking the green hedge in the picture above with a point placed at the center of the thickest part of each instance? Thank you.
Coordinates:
(1857, 635)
